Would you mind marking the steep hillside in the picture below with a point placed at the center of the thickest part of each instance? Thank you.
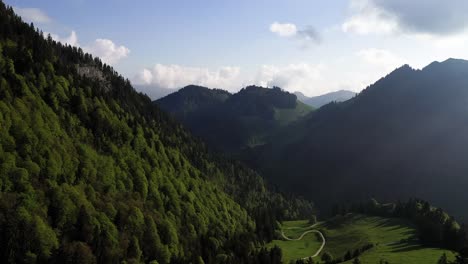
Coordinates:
(404, 136)
(234, 122)
(92, 172)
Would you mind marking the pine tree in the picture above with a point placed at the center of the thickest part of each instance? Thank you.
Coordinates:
(443, 259)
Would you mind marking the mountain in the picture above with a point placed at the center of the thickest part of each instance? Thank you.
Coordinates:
(321, 100)
(404, 136)
(301, 97)
(232, 122)
(154, 92)
(92, 172)
(191, 99)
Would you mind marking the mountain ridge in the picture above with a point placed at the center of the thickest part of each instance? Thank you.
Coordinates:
(321, 100)
(396, 129)
(232, 122)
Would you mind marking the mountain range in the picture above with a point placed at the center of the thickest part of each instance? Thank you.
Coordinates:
(404, 136)
(233, 122)
(321, 100)
(92, 171)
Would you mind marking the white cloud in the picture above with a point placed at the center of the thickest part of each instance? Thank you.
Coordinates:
(292, 77)
(283, 30)
(289, 30)
(368, 18)
(107, 50)
(433, 17)
(34, 15)
(380, 58)
(176, 76)
(311, 79)
(145, 77)
(70, 40)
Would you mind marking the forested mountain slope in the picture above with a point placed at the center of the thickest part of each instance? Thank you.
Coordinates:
(91, 171)
(404, 136)
(192, 98)
(234, 122)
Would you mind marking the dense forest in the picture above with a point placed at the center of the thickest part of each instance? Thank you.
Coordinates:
(233, 122)
(92, 171)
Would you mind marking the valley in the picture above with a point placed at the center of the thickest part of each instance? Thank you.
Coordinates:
(162, 169)
(392, 239)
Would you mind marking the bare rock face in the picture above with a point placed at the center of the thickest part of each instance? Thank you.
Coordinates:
(93, 72)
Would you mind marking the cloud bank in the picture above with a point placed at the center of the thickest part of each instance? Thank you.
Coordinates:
(291, 77)
(432, 17)
(107, 50)
(71, 40)
(163, 78)
(175, 76)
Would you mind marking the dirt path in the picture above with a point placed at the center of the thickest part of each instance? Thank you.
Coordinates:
(305, 233)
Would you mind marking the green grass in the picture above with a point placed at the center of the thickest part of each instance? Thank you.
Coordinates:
(287, 115)
(305, 247)
(394, 239)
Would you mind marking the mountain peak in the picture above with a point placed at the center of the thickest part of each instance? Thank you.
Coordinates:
(454, 60)
(319, 101)
(449, 66)
(400, 72)
(450, 63)
(403, 68)
(194, 87)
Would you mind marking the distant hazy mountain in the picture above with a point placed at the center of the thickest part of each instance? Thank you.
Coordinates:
(318, 101)
(301, 97)
(404, 136)
(154, 92)
(234, 121)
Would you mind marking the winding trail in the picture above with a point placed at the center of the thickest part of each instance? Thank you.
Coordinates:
(305, 233)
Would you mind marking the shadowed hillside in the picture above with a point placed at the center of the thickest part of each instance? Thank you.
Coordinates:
(233, 122)
(404, 136)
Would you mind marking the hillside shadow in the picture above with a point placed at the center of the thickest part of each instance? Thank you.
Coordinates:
(405, 245)
(406, 248)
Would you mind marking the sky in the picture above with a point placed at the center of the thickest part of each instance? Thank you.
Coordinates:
(309, 46)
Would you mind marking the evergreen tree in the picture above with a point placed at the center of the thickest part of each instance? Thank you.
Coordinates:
(443, 259)
(327, 257)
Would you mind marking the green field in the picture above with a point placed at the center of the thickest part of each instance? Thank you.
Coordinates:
(394, 240)
(305, 247)
(287, 115)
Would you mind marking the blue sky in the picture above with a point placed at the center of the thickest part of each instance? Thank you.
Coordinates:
(300, 45)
